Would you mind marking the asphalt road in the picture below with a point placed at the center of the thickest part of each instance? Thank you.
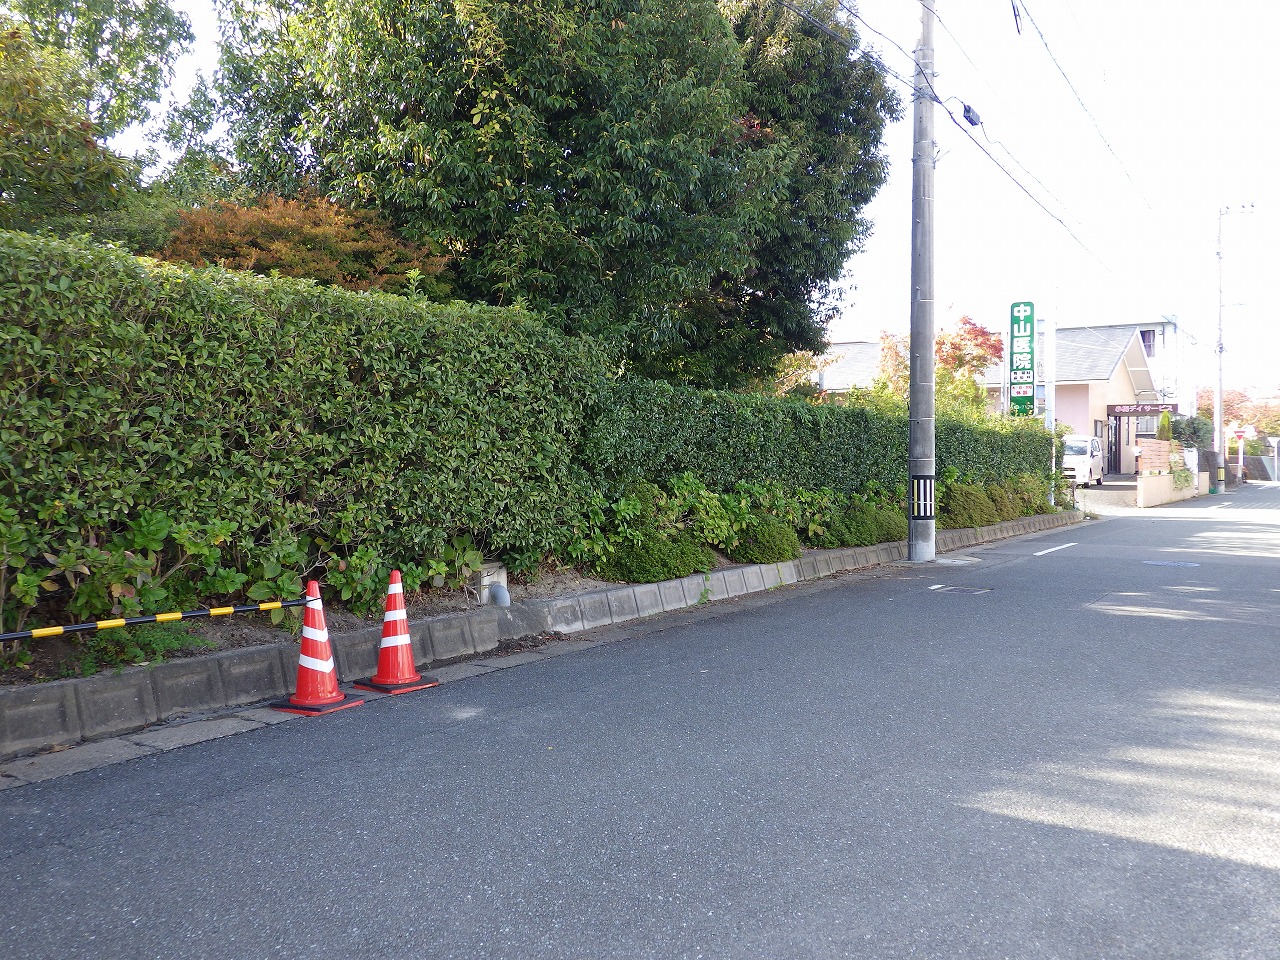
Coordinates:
(1082, 761)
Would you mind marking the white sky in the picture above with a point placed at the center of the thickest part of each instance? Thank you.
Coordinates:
(1182, 91)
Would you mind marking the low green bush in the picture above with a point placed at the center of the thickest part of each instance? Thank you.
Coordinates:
(1031, 493)
(891, 525)
(1001, 497)
(654, 556)
(870, 523)
(965, 505)
(767, 540)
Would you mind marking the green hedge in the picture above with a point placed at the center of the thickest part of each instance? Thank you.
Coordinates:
(648, 430)
(287, 409)
(169, 434)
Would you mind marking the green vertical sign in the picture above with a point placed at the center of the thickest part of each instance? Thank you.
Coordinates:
(1022, 359)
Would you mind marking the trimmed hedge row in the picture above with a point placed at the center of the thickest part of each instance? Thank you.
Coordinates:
(285, 408)
(168, 434)
(649, 430)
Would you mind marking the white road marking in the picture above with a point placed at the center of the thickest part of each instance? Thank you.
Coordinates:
(1051, 549)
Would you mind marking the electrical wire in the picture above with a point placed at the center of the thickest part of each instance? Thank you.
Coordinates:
(964, 53)
(938, 100)
(1062, 223)
(1009, 153)
(1080, 100)
(868, 55)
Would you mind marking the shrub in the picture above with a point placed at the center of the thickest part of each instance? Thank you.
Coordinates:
(1002, 499)
(656, 430)
(311, 238)
(965, 505)
(656, 555)
(766, 540)
(1031, 493)
(891, 525)
(870, 524)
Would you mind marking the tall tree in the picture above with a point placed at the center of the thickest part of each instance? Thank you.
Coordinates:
(264, 89)
(826, 107)
(127, 49)
(50, 162)
(961, 356)
(585, 156)
(1235, 403)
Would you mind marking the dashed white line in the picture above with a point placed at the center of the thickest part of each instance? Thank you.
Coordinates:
(1061, 546)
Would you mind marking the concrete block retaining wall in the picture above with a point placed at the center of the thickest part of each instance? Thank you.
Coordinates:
(65, 712)
(1154, 490)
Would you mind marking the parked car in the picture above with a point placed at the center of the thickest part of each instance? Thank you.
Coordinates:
(1082, 460)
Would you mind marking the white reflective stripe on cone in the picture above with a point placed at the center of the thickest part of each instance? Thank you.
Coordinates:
(391, 615)
(311, 663)
(400, 640)
(311, 633)
(395, 588)
(314, 604)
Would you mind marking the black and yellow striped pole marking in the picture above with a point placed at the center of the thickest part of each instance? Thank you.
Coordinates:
(39, 632)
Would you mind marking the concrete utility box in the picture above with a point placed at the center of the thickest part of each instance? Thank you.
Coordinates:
(484, 578)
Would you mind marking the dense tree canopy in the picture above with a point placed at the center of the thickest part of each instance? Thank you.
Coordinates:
(826, 109)
(264, 88)
(50, 161)
(687, 186)
(126, 50)
(584, 155)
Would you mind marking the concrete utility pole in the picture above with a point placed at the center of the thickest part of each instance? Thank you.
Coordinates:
(921, 547)
(1051, 391)
(1220, 464)
(1219, 437)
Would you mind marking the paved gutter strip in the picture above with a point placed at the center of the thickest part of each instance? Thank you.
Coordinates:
(113, 717)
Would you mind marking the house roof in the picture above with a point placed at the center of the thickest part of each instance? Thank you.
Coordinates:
(1091, 353)
(854, 364)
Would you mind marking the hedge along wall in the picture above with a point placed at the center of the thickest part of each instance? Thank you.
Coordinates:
(650, 431)
(357, 418)
(342, 420)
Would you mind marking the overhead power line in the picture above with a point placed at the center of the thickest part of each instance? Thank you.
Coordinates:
(938, 100)
(1080, 100)
(1001, 167)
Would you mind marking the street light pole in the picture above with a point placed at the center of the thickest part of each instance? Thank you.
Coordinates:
(922, 467)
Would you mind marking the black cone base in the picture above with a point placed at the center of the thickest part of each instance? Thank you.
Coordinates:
(288, 706)
(422, 683)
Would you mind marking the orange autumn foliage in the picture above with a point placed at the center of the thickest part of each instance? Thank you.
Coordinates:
(310, 238)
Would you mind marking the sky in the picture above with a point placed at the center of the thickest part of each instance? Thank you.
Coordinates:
(1171, 131)
(1166, 127)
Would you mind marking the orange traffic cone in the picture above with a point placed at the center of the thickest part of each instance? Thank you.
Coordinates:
(395, 655)
(317, 690)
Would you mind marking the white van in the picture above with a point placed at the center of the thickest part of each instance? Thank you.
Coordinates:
(1082, 459)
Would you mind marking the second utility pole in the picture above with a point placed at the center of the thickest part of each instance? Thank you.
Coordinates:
(922, 469)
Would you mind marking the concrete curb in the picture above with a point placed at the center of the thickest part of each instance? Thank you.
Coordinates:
(67, 712)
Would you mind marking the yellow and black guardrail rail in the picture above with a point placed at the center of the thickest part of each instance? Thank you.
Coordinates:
(39, 632)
